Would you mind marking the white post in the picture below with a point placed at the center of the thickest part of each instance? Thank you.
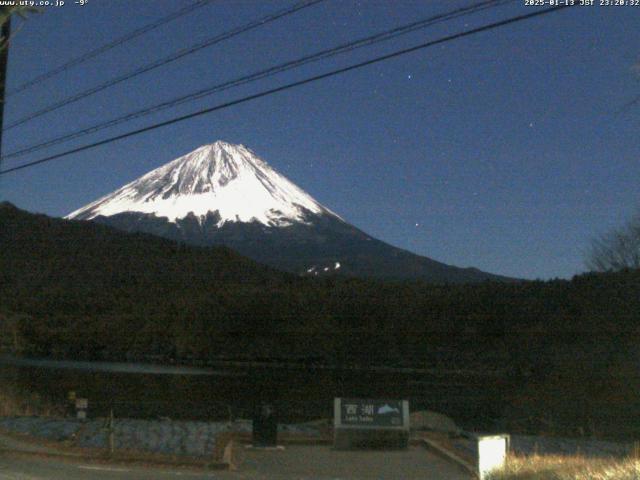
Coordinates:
(492, 452)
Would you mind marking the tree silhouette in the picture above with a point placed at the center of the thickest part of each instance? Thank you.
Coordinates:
(618, 249)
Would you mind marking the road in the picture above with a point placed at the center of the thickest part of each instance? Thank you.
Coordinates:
(22, 468)
(295, 463)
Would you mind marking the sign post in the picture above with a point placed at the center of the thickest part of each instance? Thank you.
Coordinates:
(265, 426)
(360, 423)
(71, 403)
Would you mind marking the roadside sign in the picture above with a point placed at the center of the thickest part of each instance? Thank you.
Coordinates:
(372, 413)
(364, 423)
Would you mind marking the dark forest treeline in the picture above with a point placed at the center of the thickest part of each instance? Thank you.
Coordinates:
(89, 291)
(81, 290)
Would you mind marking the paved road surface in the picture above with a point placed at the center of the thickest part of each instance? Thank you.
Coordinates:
(295, 463)
(323, 463)
(16, 468)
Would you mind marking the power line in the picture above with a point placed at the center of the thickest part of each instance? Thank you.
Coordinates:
(108, 46)
(288, 86)
(166, 60)
(323, 54)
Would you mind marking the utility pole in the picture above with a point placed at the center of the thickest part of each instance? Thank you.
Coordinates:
(4, 57)
(110, 429)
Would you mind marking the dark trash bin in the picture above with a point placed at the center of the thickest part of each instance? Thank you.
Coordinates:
(265, 426)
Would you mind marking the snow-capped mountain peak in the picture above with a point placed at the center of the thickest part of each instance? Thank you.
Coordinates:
(224, 194)
(220, 177)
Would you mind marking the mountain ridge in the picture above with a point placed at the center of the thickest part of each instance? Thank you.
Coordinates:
(224, 194)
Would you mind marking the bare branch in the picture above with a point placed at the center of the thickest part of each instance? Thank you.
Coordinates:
(616, 250)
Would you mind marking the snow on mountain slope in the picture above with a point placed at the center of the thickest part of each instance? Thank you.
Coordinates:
(222, 177)
(223, 194)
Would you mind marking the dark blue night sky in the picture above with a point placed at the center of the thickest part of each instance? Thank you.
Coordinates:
(507, 150)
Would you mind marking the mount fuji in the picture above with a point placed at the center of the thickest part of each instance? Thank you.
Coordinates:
(224, 194)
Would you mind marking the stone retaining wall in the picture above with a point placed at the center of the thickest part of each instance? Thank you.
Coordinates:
(157, 436)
